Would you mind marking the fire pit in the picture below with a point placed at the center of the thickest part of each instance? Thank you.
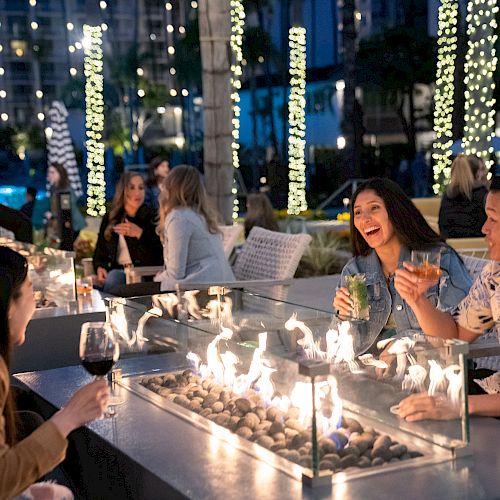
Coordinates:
(308, 406)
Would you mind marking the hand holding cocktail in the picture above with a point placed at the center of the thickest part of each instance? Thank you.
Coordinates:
(414, 279)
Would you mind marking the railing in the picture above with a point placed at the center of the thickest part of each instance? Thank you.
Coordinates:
(351, 183)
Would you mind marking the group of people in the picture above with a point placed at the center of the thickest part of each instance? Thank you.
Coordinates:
(177, 229)
(385, 227)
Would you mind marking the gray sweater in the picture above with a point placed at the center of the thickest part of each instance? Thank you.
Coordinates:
(191, 253)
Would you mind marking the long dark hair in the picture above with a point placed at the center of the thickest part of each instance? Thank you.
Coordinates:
(409, 224)
(260, 213)
(63, 176)
(118, 206)
(13, 272)
(152, 178)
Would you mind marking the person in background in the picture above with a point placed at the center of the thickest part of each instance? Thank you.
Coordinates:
(385, 227)
(193, 249)
(25, 461)
(17, 223)
(58, 180)
(157, 173)
(127, 236)
(479, 169)
(478, 312)
(27, 208)
(259, 213)
(419, 175)
(462, 214)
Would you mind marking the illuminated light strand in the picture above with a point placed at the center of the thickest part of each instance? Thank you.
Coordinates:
(297, 122)
(94, 120)
(237, 30)
(444, 94)
(480, 64)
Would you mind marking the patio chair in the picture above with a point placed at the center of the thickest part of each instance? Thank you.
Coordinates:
(230, 236)
(486, 349)
(473, 247)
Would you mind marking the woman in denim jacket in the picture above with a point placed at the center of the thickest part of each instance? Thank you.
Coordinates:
(385, 228)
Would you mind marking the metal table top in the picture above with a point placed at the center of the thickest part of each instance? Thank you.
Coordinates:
(197, 465)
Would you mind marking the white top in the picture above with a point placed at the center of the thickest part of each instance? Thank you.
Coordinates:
(123, 257)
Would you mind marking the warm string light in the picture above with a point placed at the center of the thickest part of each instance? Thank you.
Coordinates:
(297, 122)
(443, 97)
(237, 27)
(480, 64)
(94, 120)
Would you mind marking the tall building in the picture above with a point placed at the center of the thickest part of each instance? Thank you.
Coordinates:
(41, 48)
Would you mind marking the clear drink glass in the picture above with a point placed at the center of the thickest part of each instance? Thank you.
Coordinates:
(426, 264)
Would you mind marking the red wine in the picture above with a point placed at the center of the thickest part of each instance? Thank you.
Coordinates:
(99, 366)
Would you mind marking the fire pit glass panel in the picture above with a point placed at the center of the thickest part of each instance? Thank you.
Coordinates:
(254, 387)
(52, 272)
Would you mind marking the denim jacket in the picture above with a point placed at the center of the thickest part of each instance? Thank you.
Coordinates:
(384, 299)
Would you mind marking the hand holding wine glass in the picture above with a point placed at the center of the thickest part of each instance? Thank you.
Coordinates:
(99, 351)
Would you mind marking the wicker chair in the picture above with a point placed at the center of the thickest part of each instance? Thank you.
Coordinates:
(230, 237)
(269, 255)
(474, 247)
(486, 348)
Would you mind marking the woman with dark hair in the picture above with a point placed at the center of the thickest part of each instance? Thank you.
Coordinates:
(462, 214)
(127, 236)
(385, 228)
(193, 250)
(58, 180)
(24, 462)
(259, 213)
(157, 173)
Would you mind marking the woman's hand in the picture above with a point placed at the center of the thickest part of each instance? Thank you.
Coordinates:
(102, 274)
(425, 407)
(87, 404)
(128, 229)
(409, 286)
(342, 302)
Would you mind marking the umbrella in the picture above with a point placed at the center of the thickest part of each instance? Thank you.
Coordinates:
(60, 148)
(456, 147)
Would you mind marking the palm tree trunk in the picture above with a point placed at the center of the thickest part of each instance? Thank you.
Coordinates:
(215, 27)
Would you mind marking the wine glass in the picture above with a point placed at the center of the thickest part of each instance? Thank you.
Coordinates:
(99, 351)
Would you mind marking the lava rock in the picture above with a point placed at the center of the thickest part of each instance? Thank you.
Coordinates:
(398, 449)
(305, 462)
(257, 434)
(279, 436)
(209, 400)
(377, 461)
(195, 406)
(293, 424)
(333, 458)
(350, 450)
(205, 412)
(182, 401)
(340, 438)
(250, 420)
(278, 445)
(276, 427)
(381, 452)
(348, 461)
(243, 405)
(244, 432)
(364, 462)
(382, 442)
(217, 407)
(353, 425)
(221, 419)
(290, 433)
(275, 414)
(260, 412)
(330, 445)
(300, 439)
(265, 441)
(326, 465)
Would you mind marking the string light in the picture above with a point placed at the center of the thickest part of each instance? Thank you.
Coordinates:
(237, 29)
(443, 97)
(480, 64)
(296, 120)
(94, 120)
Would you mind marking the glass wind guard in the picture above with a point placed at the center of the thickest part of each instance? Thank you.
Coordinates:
(52, 272)
(264, 384)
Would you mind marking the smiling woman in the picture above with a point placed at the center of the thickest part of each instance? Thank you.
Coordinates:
(127, 235)
(385, 228)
